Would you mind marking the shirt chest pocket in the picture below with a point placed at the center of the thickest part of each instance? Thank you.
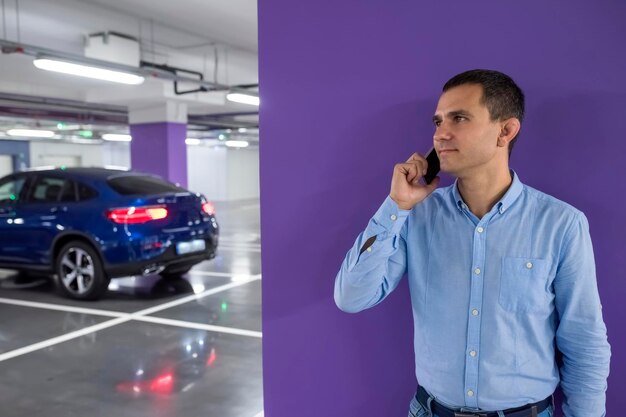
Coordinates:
(524, 285)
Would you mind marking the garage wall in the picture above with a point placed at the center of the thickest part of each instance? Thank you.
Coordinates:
(359, 82)
(206, 172)
(116, 153)
(19, 152)
(243, 173)
(74, 154)
(223, 174)
(50, 153)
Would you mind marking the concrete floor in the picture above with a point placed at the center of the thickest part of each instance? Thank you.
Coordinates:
(150, 347)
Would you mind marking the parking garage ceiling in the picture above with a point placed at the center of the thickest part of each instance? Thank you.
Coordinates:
(215, 38)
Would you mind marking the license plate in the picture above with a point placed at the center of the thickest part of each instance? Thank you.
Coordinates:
(197, 245)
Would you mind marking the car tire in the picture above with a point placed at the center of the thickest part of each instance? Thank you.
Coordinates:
(175, 273)
(79, 272)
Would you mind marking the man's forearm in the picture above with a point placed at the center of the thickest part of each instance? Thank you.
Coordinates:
(375, 263)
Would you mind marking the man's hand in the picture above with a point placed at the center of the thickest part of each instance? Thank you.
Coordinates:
(406, 190)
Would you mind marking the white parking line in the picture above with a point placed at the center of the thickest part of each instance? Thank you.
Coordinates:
(58, 307)
(63, 338)
(251, 238)
(239, 248)
(123, 318)
(201, 326)
(239, 244)
(193, 297)
(224, 274)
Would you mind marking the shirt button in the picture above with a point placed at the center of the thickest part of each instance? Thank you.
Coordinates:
(477, 271)
(463, 206)
(529, 265)
(480, 230)
(393, 217)
(470, 393)
(369, 249)
(473, 353)
(474, 312)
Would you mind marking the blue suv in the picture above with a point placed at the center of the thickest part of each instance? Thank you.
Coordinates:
(84, 226)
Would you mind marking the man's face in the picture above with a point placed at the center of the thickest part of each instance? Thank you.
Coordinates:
(465, 138)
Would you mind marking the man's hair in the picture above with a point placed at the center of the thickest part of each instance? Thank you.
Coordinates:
(502, 97)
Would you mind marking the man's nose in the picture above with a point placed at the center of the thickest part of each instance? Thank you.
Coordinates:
(442, 133)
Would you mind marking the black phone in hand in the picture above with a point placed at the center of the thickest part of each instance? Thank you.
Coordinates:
(433, 166)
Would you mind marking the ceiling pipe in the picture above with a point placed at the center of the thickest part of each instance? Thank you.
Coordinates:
(65, 103)
(62, 116)
(78, 111)
(147, 69)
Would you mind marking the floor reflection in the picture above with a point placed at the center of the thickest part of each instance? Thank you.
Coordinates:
(152, 286)
(148, 287)
(176, 366)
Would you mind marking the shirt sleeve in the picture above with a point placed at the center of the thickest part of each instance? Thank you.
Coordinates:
(375, 264)
(581, 334)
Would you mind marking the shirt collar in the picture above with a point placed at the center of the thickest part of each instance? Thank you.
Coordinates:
(505, 202)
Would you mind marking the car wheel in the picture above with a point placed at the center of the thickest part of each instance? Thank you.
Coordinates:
(175, 273)
(80, 274)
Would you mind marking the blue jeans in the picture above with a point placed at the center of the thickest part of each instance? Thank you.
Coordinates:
(417, 410)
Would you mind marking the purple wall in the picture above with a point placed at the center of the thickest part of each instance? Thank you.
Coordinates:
(348, 89)
(159, 148)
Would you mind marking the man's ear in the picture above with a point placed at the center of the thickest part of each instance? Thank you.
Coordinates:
(508, 130)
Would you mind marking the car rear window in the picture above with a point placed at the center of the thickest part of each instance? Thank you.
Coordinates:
(49, 190)
(142, 185)
(68, 193)
(85, 192)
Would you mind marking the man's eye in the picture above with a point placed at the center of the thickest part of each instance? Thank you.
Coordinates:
(437, 122)
(459, 118)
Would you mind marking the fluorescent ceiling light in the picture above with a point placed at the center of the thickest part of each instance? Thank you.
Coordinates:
(242, 130)
(236, 143)
(31, 133)
(117, 167)
(87, 71)
(192, 141)
(117, 138)
(243, 98)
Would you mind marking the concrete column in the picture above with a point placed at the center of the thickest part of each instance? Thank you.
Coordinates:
(158, 146)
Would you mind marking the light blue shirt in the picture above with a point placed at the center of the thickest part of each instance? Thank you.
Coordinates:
(492, 298)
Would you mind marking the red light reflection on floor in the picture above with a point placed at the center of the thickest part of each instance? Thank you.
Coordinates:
(212, 358)
(162, 384)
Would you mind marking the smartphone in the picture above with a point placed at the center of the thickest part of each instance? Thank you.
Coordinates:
(433, 166)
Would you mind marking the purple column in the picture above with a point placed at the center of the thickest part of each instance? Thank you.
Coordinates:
(159, 148)
(348, 89)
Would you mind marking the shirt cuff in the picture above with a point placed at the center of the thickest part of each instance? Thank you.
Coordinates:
(391, 217)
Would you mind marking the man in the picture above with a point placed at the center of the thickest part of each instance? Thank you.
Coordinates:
(501, 276)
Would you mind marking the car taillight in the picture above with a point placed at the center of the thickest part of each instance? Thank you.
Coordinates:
(209, 209)
(135, 215)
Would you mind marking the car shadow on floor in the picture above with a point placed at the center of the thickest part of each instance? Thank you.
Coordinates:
(146, 288)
